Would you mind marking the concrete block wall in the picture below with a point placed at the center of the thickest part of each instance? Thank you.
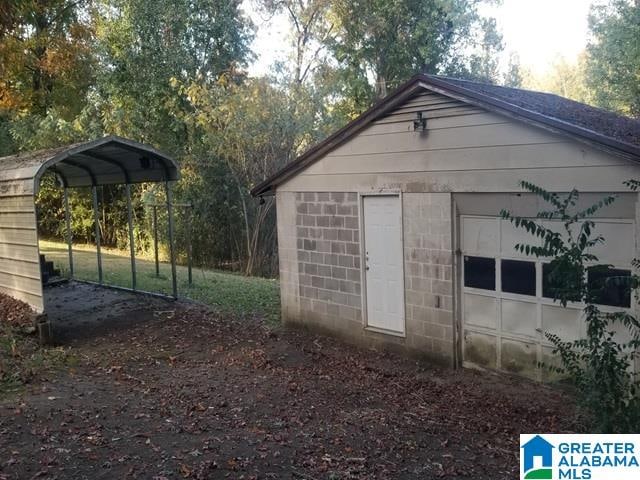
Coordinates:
(288, 256)
(320, 269)
(428, 256)
(328, 251)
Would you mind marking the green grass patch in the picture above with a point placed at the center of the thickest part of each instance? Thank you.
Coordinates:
(230, 292)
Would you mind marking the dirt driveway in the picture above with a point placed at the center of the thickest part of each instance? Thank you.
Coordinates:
(177, 391)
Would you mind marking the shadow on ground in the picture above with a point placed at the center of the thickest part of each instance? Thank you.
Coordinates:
(80, 310)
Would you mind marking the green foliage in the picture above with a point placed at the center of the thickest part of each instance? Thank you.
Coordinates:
(391, 41)
(7, 144)
(170, 73)
(513, 77)
(599, 364)
(567, 79)
(151, 47)
(613, 68)
(247, 131)
(46, 57)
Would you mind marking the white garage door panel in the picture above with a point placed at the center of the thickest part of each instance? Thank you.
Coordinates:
(519, 357)
(519, 318)
(481, 311)
(510, 237)
(619, 245)
(481, 235)
(481, 349)
(506, 330)
(564, 322)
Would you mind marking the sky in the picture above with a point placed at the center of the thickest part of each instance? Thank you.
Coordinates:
(538, 31)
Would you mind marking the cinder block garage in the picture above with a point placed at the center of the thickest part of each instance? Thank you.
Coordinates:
(389, 230)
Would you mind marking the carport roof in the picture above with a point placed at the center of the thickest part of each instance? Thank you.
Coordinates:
(106, 161)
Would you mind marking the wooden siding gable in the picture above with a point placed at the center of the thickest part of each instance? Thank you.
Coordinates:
(441, 98)
(459, 140)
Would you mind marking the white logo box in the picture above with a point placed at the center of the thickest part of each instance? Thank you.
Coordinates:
(579, 457)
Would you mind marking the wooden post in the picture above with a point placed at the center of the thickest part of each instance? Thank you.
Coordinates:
(67, 217)
(96, 221)
(174, 279)
(44, 330)
(132, 246)
(155, 239)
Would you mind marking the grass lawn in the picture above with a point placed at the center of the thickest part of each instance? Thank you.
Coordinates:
(229, 292)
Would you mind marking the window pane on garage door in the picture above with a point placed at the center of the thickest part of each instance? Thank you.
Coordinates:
(519, 277)
(480, 272)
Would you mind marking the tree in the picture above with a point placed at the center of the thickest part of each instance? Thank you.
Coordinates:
(481, 62)
(389, 41)
(149, 49)
(250, 129)
(565, 79)
(311, 30)
(513, 77)
(613, 67)
(45, 57)
(308, 76)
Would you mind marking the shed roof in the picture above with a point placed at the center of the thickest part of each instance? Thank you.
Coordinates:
(598, 120)
(108, 160)
(599, 128)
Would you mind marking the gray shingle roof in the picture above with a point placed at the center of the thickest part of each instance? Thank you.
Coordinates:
(601, 121)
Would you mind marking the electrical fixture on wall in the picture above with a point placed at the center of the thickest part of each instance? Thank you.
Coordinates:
(420, 123)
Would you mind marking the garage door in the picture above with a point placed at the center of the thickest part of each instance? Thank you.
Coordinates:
(506, 305)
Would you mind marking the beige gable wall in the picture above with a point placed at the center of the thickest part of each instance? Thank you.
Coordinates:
(465, 149)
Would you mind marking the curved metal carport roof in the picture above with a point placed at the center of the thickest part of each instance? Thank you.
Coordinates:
(107, 161)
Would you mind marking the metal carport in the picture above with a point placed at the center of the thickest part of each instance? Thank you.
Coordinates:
(106, 161)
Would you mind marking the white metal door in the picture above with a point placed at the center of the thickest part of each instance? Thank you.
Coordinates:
(384, 262)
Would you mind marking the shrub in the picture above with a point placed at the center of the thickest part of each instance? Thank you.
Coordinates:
(598, 365)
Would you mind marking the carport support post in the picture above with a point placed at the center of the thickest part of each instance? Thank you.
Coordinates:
(96, 221)
(155, 239)
(132, 246)
(67, 218)
(189, 243)
(172, 254)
